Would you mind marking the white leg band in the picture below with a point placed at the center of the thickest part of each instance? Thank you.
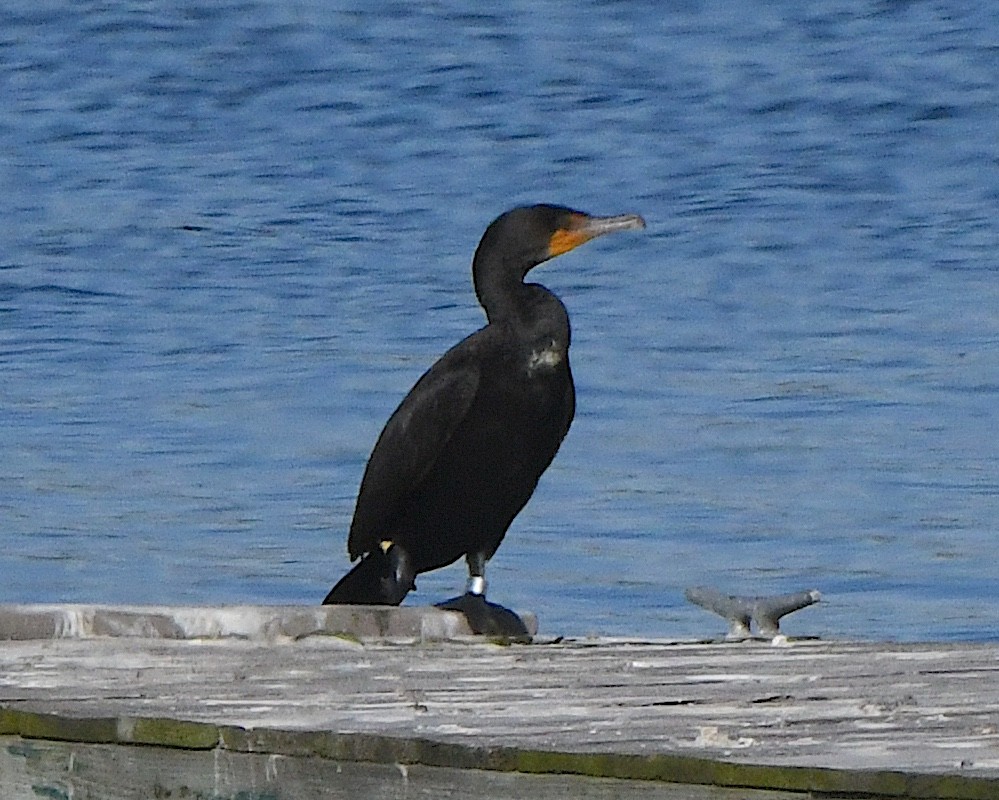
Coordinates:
(476, 585)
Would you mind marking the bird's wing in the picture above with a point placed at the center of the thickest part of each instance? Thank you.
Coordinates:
(408, 448)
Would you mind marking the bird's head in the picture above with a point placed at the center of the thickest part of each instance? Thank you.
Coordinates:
(527, 236)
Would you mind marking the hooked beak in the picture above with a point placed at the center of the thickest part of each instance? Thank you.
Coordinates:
(582, 227)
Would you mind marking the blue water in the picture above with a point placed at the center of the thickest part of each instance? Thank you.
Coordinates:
(235, 233)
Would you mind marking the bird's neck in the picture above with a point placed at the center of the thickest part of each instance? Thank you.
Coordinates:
(498, 289)
(536, 319)
(501, 290)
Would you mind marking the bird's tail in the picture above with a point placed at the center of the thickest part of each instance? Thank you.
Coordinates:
(365, 584)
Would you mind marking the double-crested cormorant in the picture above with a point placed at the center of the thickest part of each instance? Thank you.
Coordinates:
(463, 452)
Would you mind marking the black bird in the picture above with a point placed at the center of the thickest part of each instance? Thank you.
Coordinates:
(463, 452)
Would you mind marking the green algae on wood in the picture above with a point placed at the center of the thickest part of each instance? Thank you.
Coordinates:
(374, 748)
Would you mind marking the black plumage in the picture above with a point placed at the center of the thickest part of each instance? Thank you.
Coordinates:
(463, 452)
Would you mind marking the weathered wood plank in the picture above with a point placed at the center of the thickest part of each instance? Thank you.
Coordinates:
(33, 769)
(902, 720)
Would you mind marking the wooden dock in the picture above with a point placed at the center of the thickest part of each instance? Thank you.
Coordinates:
(273, 702)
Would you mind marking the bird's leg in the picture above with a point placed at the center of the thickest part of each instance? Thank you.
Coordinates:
(476, 574)
(485, 617)
(401, 579)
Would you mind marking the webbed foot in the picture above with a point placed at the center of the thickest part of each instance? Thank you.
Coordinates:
(401, 579)
(379, 578)
(488, 619)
